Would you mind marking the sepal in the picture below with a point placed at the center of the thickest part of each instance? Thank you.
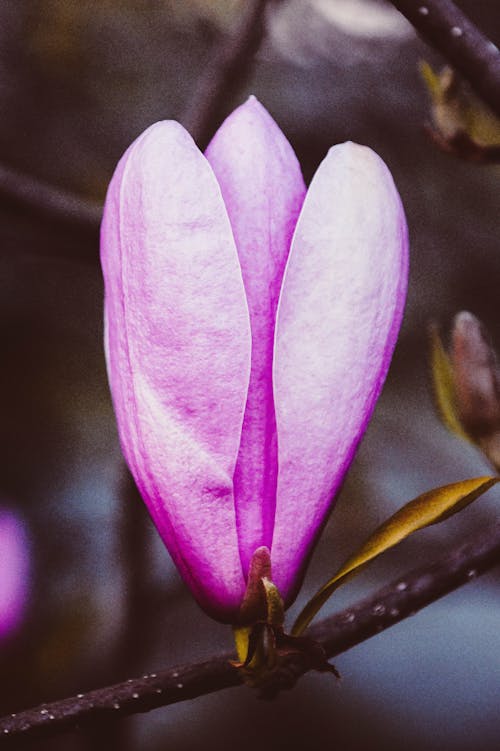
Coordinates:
(269, 659)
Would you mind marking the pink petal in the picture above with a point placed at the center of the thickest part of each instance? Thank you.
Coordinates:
(178, 348)
(338, 318)
(14, 572)
(263, 190)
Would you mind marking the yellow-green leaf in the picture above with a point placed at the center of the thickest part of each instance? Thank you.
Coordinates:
(431, 79)
(461, 123)
(241, 640)
(457, 109)
(444, 388)
(430, 508)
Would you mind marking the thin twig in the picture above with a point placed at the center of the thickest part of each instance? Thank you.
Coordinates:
(336, 634)
(135, 560)
(464, 46)
(439, 22)
(41, 200)
(225, 74)
(229, 68)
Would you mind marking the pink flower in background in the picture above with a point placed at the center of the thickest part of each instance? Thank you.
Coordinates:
(249, 329)
(14, 572)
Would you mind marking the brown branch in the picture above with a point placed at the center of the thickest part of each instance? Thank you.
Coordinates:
(336, 634)
(439, 22)
(134, 555)
(228, 70)
(41, 200)
(465, 47)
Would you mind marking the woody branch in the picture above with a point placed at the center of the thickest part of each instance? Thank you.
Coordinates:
(393, 603)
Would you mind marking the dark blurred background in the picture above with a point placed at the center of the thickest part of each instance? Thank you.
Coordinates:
(78, 82)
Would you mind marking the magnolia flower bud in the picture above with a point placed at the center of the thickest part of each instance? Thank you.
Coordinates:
(476, 377)
(461, 123)
(14, 569)
(249, 329)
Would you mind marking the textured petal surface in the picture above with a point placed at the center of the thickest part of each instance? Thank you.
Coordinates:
(178, 351)
(14, 572)
(263, 190)
(338, 318)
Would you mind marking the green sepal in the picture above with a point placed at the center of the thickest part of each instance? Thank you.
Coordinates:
(262, 611)
(255, 603)
(275, 607)
(268, 658)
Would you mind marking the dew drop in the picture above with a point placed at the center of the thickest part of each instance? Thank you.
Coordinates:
(51, 717)
(116, 706)
(135, 695)
(13, 714)
(80, 696)
(378, 609)
(6, 731)
(159, 690)
(152, 675)
(401, 586)
(129, 680)
(349, 618)
(456, 31)
(180, 685)
(175, 675)
(423, 10)
(394, 612)
(44, 711)
(471, 573)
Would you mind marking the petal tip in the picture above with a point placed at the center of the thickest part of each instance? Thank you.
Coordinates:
(160, 136)
(248, 120)
(252, 103)
(350, 150)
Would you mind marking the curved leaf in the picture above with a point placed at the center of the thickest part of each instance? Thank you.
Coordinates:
(444, 386)
(430, 508)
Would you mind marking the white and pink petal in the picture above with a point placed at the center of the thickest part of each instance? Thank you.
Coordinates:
(338, 318)
(263, 191)
(178, 353)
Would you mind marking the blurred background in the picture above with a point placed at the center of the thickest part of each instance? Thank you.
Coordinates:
(78, 82)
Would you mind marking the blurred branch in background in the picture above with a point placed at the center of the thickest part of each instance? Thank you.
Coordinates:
(136, 564)
(439, 22)
(39, 200)
(443, 25)
(227, 72)
(133, 639)
(336, 634)
(221, 80)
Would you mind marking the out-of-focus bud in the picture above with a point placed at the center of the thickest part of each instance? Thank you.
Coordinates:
(467, 384)
(461, 123)
(14, 572)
